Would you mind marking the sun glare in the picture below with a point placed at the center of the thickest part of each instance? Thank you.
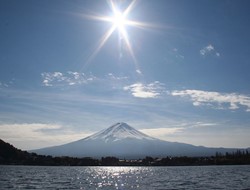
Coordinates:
(119, 22)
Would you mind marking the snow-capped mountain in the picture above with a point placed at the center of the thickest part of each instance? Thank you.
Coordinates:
(119, 131)
(123, 141)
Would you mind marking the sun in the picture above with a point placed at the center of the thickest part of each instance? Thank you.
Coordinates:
(119, 22)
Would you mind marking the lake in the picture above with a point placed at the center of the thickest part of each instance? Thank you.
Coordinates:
(189, 177)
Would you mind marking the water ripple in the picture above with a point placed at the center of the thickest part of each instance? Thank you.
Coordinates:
(125, 178)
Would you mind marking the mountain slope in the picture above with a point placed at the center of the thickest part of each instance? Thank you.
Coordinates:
(123, 141)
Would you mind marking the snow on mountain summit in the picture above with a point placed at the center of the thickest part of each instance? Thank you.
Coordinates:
(118, 132)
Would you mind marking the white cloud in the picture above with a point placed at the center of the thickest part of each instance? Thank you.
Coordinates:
(208, 50)
(138, 71)
(210, 47)
(75, 78)
(202, 124)
(37, 135)
(217, 54)
(113, 77)
(151, 90)
(68, 78)
(218, 100)
(161, 132)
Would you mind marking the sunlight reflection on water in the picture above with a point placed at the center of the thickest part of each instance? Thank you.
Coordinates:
(125, 178)
(115, 177)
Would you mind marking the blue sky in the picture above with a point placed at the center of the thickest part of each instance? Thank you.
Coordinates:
(176, 70)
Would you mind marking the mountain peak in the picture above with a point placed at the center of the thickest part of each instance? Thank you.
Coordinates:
(121, 125)
(123, 141)
(118, 132)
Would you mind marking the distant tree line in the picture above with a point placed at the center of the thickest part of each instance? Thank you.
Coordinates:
(238, 157)
(10, 155)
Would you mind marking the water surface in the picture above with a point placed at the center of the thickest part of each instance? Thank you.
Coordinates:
(190, 177)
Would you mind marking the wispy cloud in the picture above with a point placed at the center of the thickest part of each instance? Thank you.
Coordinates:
(177, 54)
(138, 71)
(68, 78)
(71, 78)
(208, 50)
(5, 85)
(175, 128)
(202, 124)
(217, 54)
(217, 100)
(38, 135)
(140, 90)
(112, 76)
(161, 132)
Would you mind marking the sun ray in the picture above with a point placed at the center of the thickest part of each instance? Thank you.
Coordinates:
(129, 8)
(129, 47)
(103, 40)
(118, 22)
